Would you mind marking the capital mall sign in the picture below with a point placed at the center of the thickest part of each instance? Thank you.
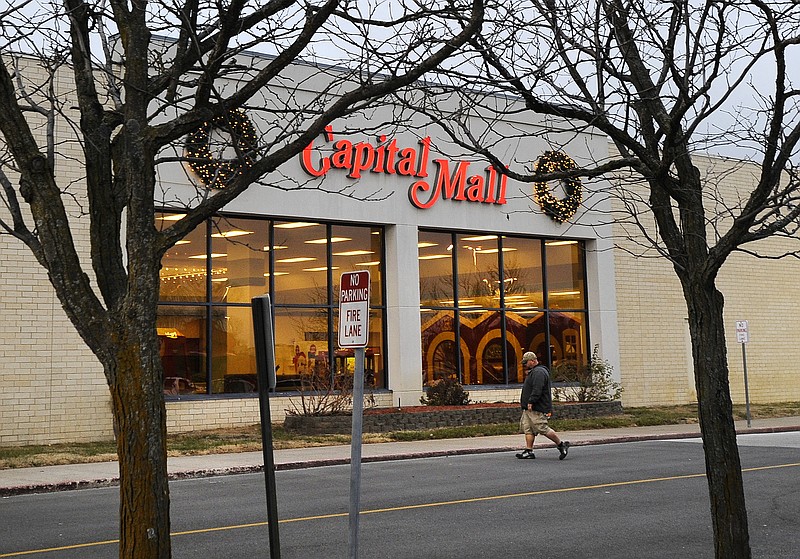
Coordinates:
(452, 180)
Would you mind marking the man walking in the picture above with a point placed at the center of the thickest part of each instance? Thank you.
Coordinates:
(537, 406)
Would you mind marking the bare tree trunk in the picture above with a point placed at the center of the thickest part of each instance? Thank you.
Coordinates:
(140, 424)
(723, 467)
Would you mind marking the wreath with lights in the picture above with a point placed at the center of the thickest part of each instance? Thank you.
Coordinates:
(218, 173)
(559, 209)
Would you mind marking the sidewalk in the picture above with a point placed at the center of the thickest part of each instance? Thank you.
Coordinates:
(79, 476)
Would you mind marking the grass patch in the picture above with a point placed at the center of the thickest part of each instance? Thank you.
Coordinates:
(244, 439)
(35, 456)
(463, 432)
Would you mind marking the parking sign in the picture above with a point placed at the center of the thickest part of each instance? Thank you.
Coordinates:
(354, 309)
(742, 335)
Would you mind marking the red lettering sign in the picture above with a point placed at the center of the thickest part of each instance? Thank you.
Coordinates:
(386, 157)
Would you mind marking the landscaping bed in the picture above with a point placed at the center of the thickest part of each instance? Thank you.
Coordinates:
(418, 418)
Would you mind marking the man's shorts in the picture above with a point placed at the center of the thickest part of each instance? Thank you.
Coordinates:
(533, 423)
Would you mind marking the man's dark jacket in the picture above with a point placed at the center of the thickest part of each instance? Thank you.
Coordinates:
(536, 390)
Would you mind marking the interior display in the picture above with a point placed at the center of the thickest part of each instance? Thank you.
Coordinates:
(485, 299)
(209, 279)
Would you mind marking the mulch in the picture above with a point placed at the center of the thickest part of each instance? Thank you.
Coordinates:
(428, 409)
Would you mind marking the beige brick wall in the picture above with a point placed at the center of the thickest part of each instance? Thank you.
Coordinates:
(184, 416)
(52, 388)
(655, 351)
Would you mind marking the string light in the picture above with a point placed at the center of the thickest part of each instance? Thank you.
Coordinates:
(559, 209)
(175, 274)
(218, 173)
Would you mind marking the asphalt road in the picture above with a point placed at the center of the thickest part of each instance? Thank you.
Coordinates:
(633, 500)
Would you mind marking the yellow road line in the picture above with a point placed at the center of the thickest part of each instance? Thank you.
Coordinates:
(404, 507)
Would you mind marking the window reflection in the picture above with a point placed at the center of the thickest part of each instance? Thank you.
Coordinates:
(478, 271)
(301, 346)
(358, 248)
(233, 360)
(344, 358)
(568, 338)
(301, 263)
(239, 262)
(522, 266)
(565, 283)
(181, 337)
(435, 269)
(184, 271)
(439, 352)
(526, 331)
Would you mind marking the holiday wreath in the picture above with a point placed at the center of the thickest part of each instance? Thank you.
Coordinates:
(214, 172)
(559, 209)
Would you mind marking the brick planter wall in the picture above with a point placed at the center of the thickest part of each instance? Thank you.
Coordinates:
(381, 421)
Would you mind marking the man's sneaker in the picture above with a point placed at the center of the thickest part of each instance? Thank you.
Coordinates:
(527, 453)
(563, 449)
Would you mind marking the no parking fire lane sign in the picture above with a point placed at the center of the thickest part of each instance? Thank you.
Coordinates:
(354, 309)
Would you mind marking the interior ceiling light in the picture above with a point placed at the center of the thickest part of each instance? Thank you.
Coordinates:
(325, 240)
(295, 260)
(276, 247)
(563, 293)
(434, 256)
(232, 233)
(213, 255)
(373, 263)
(295, 225)
(219, 279)
(171, 217)
(353, 253)
(182, 242)
(560, 243)
(276, 274)
(320, 269)
(490, 250)
(479, 238)
(426, 244)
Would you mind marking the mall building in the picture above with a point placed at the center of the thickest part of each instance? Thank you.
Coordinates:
(468, 270)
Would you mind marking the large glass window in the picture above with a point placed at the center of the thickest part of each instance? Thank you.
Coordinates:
(436, 269)
(184, 269)
(182, 346)
(478, 271)
(239, 261)
(209, 279)
(301, 263)
(487, 299)
(565, 276)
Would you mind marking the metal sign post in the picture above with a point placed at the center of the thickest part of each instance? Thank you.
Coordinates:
(354, 332)
(265, 365)
(743, 336)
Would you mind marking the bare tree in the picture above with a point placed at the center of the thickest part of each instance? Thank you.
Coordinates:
(128, 81)
(665, 81)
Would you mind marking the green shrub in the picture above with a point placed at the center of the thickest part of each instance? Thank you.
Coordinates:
(586, 383)
(445, 392)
